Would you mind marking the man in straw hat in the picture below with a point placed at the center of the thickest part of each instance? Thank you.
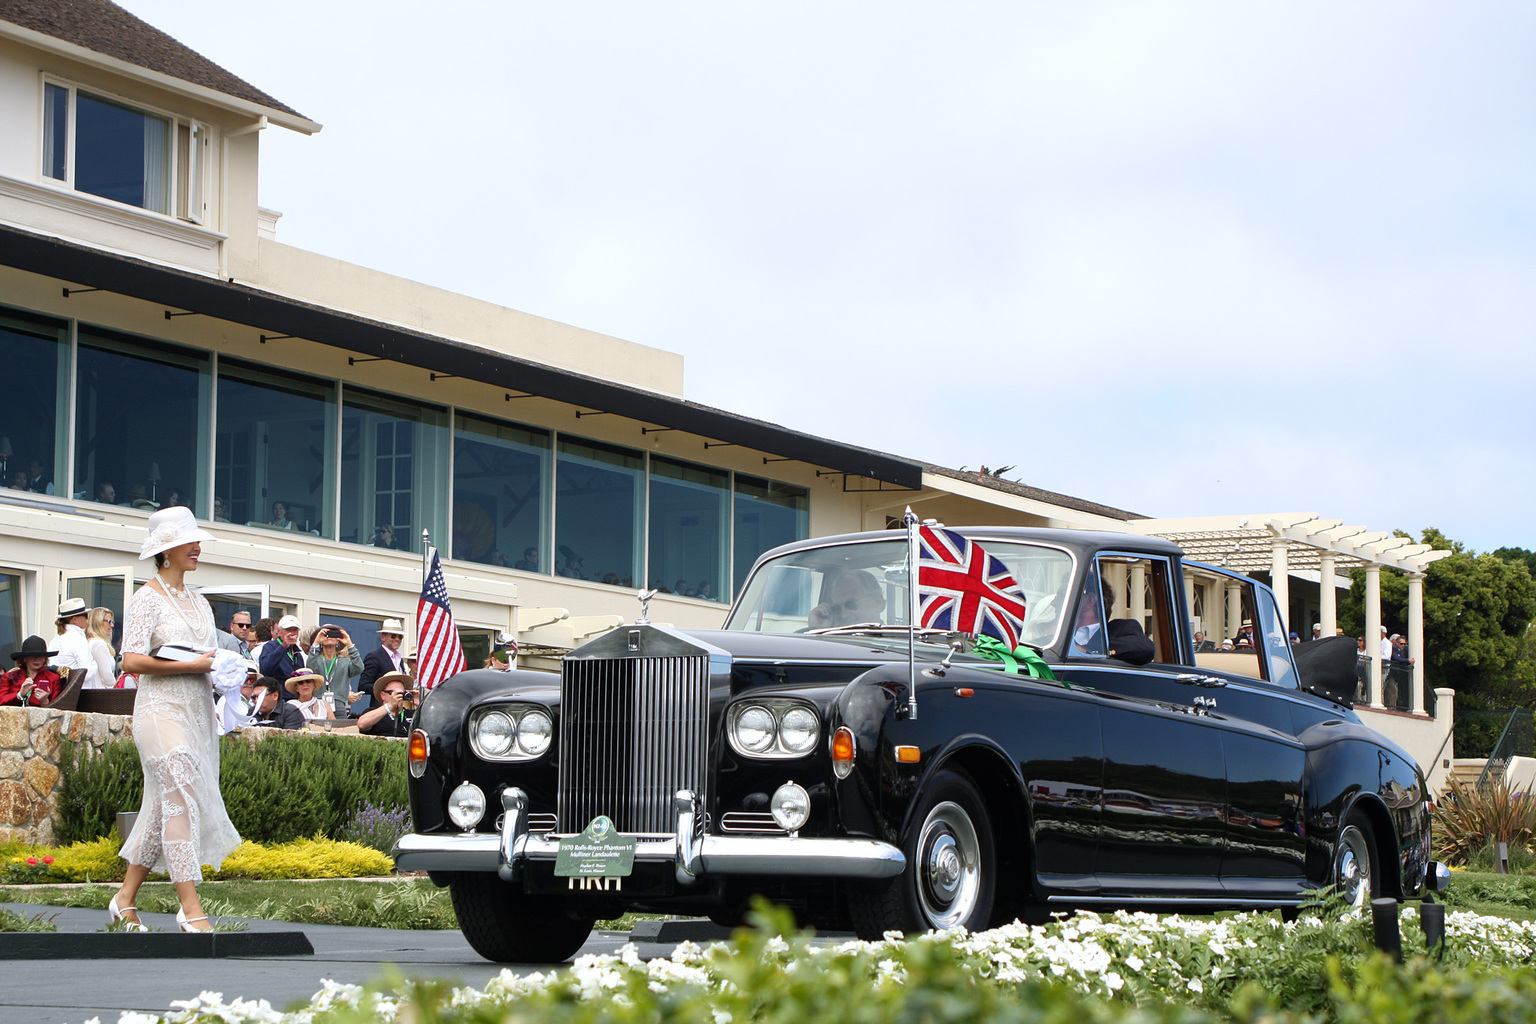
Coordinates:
(74, 645)
(396, 696)
(31, 681)
(383, 658)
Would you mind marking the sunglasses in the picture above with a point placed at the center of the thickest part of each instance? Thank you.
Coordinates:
(394, 693)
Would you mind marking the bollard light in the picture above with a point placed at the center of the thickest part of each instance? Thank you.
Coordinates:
(1384, 925)
(1432, 920)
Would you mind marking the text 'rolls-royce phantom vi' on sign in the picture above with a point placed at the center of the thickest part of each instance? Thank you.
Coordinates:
(1102, 762)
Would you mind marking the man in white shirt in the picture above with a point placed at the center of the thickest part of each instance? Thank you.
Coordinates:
(74, 646)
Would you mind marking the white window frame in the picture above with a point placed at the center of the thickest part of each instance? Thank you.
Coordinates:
(188, 180)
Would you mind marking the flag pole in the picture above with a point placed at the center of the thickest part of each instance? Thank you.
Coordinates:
(909, 519)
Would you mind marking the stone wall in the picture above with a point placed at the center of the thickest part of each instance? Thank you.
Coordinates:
(29, 764)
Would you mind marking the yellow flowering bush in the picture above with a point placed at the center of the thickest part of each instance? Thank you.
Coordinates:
(304, 858)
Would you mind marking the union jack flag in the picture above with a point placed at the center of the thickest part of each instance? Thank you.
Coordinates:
(438, 652)
(961, 587)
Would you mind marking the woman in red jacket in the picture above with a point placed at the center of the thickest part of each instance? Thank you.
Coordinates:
(31, 681)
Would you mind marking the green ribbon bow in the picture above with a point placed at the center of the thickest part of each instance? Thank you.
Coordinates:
(1019, 659)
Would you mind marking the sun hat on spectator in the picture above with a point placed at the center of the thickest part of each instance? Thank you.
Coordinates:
(70, 608)
(393, 626)
(291, 684)
(391, 677)
(171, 528)
(288, 622)
(32, 647)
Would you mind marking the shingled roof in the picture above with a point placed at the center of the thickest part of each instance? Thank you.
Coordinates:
(105, 28)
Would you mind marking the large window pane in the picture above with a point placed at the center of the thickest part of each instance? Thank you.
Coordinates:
(10, 613)
(274, 434)
(598, 491)
(394, 471)
(55, 132)
(501, 494)
(122, 154)
(767, 514)
(688, 529)
(141, 422)
(34, 350)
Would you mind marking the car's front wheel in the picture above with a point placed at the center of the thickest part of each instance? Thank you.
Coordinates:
(950, 880)
(506, 925)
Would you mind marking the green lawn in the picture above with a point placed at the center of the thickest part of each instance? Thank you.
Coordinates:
(416, 903)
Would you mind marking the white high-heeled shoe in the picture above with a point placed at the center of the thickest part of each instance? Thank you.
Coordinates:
(115, 914)
(185, 922)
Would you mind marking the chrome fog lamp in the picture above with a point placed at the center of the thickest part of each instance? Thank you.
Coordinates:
(798, 730)
(791, 807)
(534, 731)
(754, 729)
(466, 805)
(495, 733)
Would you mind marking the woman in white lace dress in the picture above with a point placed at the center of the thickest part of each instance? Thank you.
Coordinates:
(182, 823)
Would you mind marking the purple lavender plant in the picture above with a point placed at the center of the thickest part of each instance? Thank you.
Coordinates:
(376, 827)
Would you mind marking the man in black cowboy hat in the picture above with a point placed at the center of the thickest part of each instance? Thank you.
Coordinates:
(31, 681)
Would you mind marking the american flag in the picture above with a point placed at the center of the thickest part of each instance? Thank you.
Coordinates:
(438, 652)
(961, 587)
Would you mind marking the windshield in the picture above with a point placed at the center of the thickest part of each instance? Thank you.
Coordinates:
(848, 585)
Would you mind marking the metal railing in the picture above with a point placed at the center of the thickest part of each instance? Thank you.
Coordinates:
(1396, 686)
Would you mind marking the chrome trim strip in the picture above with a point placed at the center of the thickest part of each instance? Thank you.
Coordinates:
(1194, 901)
(717, 855)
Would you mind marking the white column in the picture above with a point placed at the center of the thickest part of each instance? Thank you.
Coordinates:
(1116, 573)
(1373, 629)
(1328, 596)
(1234, 611)
(1280, 581)
(1416, 637)
(1138, 593)
(1189, 602)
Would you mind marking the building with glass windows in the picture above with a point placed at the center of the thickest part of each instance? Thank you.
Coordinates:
(162, 347)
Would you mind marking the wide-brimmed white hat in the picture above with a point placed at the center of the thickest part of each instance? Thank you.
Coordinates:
(394, 626)
(171, 528)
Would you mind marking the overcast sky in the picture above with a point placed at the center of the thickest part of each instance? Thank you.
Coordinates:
(1182, 259)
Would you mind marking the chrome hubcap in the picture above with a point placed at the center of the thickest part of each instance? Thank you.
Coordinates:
(949, 866)
(1352, 868)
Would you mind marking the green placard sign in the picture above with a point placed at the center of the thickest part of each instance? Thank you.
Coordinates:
(599, 852)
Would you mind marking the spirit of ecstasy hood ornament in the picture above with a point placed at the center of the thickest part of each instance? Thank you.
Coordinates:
(645, 607)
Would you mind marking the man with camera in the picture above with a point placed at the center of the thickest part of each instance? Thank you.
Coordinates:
(397, 703)
(283, 656)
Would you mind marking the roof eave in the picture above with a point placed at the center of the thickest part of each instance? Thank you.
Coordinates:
(170, 83)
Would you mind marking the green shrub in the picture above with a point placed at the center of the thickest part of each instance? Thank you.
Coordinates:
(289, 787)
(10, 921)
(276, 790)
(96, 788)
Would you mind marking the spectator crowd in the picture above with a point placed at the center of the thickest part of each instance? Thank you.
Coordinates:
(295, 674)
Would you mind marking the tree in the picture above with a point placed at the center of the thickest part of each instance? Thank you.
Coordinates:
(1477, 613)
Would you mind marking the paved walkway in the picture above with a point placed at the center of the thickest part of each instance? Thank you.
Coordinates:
(73, 991)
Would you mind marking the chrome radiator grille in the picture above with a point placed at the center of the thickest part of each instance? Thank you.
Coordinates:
(633, 731)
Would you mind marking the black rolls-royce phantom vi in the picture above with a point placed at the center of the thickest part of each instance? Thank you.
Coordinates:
(788, 755)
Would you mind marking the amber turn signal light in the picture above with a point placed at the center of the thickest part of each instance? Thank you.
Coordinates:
(908, 755)
(843, 751)
(416, 754)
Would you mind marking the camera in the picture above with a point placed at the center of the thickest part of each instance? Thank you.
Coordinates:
(409, 700)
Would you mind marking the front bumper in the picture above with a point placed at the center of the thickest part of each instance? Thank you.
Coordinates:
(692, 853)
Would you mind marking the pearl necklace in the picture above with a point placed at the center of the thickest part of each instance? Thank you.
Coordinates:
(199, 627)
(173, 591)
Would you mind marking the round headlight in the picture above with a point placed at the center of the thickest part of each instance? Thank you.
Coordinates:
(495, 733)
(754, 729)
(466, 805)
(534, 730)
(791, 807)
(798, 730)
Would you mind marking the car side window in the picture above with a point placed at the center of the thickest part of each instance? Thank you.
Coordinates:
(1141, 619)
(1088, 626)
